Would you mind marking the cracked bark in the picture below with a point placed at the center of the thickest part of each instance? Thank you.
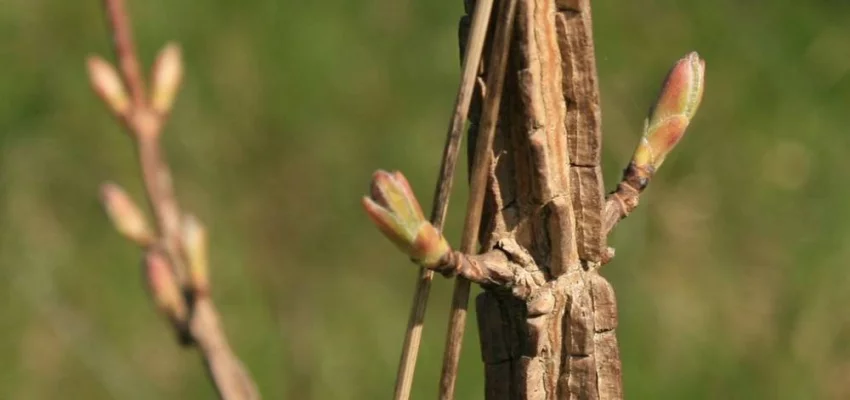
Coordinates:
(547, 319)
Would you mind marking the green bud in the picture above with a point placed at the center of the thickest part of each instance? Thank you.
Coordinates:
(668, 119)
(166, 79)
(125, 215)
(393, 207)
(195, 244)
(107, 84)
(163, 286)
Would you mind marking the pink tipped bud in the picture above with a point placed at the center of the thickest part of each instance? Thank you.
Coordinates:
(167, 76)
(195, 244)
(125, 216)
(668, 119)
(393, 207)
(107, 84)
(163, 286)
(682, 91)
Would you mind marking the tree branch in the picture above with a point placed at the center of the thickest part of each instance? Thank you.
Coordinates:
(175, 254)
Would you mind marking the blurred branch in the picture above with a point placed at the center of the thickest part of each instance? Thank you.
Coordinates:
(175, 261)
(125, 50)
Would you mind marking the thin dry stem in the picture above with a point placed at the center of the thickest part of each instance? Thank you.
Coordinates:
(472, 61)
(481, 159)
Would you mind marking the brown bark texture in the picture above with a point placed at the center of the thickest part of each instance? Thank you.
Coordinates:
(547, 320)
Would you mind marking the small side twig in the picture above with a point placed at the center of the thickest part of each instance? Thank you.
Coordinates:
(175, 261)
(677, 103)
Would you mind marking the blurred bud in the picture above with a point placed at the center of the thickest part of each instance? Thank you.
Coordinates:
(167, 75)
(125, 216)
(107, 84)
(163, 286)
(195, 244)
(668, 119)
(395, 210)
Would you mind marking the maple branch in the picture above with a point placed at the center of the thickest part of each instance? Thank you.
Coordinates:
(175, 261)
(668, 119)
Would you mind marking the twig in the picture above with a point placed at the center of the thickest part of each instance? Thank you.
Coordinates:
(231, 378)
(160, 193)
(567, 325)
(125, 50)
(175, 253)
(472, 61)
(620, 203)
(481, 160)
(678, 101)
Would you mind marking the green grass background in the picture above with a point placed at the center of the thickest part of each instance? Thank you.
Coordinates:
(732, 277)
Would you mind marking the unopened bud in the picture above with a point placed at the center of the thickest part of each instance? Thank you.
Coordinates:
(125, 216)
(107, 84)
(167, 76)
(195, 245)
(393, 208)
(668, 119)
(163, 286)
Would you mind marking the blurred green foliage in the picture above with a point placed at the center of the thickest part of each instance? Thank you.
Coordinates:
(732, 276)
